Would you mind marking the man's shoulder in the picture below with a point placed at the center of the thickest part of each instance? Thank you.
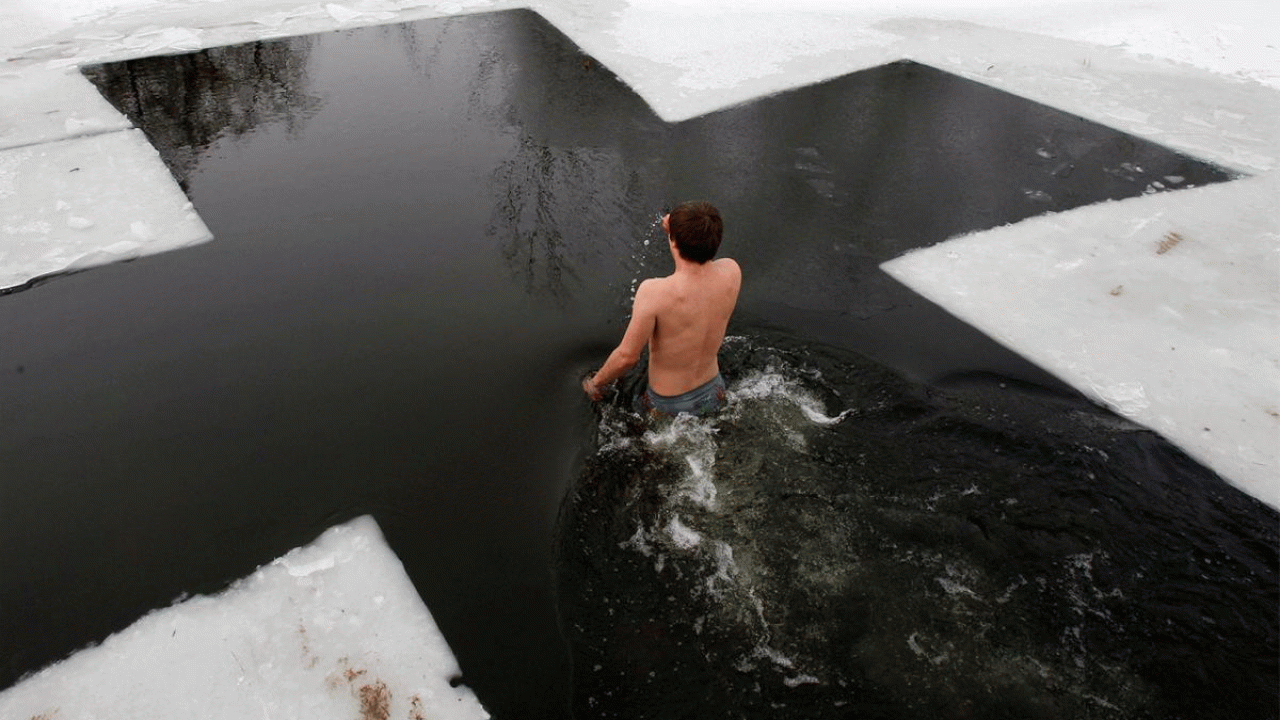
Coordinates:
(729, 269)
(728, 263)
(653, 284)
(653, 289)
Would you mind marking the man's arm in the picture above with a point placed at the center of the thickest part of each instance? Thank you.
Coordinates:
(644, 318)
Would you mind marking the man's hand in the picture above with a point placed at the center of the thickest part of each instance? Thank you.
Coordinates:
(593, 391)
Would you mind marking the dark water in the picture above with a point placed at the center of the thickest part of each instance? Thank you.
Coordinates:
(425, 234)
(843, 543)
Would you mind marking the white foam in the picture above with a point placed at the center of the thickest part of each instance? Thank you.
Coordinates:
(691, 439)
(777, 394)
(682, 535)
(725, 568)
(331, 630)
(802, 679)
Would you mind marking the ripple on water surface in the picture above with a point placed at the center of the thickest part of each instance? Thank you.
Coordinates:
(840, 542)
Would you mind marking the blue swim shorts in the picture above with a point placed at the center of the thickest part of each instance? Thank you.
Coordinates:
(702, 400)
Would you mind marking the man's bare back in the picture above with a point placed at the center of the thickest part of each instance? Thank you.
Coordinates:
(682, 318)
(690, 310)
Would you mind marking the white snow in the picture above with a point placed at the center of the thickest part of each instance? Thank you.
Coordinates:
(331, 630)
(1184, 340)
(44, 105)
(1165, 308)
(68, 204)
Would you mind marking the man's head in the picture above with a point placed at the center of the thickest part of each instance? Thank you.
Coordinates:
(696, 229)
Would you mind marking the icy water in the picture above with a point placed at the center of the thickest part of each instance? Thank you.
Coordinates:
(843, 543)
(426, 233)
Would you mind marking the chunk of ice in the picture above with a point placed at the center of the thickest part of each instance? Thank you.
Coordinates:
(315, 634)
(41, 184)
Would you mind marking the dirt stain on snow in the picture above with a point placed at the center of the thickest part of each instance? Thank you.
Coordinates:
(374, 696)
(375, 701)
(309, 658)
(1170, 241)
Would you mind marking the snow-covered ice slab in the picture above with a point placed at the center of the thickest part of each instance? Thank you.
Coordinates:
(44, 105)
(77, 203)
(1165, 308)
(331, 630)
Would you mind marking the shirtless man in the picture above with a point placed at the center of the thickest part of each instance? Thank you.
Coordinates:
(682, 318)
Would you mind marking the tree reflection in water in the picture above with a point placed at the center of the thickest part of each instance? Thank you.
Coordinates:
(187, 104)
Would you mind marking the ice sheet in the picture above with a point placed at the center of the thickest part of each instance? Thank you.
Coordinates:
(46, 105)
(73, 204)
(331, 630)
(1165, 308)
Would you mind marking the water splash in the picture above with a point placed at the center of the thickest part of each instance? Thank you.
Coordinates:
(839, 541)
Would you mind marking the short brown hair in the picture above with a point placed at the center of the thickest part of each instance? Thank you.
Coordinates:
(696, 228)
